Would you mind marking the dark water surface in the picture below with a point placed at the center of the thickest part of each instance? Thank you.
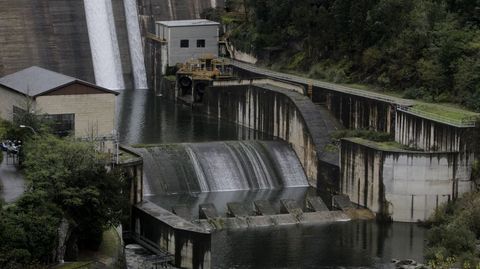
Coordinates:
(143, 118)
(146, 119)
(342, 244)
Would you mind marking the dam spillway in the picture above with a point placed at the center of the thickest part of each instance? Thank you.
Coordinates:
(220, 166)
(104, 44)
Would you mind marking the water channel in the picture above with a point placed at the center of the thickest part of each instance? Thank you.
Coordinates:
(144, 118)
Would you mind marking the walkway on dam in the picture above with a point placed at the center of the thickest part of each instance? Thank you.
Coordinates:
(12, 182)
(322, 84)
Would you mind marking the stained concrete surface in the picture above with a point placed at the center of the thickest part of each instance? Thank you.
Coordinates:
(12, 180)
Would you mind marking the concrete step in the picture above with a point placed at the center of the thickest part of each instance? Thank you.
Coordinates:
(316, 204)
(342, 202)
(264, 208)
(236, 209)
(290, 206)
(207, 211)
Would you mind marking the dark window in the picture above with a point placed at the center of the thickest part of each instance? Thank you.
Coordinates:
(18, 114)
(201, 43)
(184, 43)
(61, 124)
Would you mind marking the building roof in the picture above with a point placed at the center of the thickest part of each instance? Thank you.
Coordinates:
(183, 23)
(35, 81)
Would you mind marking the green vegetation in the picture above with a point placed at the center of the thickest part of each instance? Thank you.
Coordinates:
(366, 134)
(67, 181)
(382, 145)
(423, 49)
(454, 232)
(444, 111)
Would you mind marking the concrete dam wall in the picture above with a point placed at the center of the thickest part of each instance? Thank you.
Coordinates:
(285, 114)
(400, 184)
(54, 34)
(421, 133)
(220, 166)
(49, 33)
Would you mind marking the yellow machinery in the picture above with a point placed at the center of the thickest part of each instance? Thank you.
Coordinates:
(195, 75)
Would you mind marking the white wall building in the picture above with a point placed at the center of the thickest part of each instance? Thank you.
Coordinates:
(187, 39)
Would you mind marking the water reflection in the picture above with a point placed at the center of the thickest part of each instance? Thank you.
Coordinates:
(344, 244)
(144, 118)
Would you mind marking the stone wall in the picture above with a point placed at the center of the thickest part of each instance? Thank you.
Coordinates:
(404, 185)
(285, 114)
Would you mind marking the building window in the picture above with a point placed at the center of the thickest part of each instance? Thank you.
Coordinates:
(61, 124)
(18, 114)
(201, 43)
(184, 43)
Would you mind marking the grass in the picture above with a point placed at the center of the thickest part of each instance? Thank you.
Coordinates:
(386, 145)
(445, 110)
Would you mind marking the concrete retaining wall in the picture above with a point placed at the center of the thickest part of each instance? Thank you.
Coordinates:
(285, 114)
(356, 112)
(421, 133)
(190, 244)
(404, 185)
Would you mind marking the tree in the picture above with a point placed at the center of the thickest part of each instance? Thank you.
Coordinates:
(74, 176)
(28, 231)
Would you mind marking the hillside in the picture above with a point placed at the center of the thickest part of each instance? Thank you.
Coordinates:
(422, 49)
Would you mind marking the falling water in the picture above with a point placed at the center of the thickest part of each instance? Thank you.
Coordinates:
(222, 166)
(202, 181)
(104, 44)
(135, 43)
(213, 3)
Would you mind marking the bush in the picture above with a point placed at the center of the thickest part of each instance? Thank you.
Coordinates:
(366, 134)
(414, 93)
(454, 229)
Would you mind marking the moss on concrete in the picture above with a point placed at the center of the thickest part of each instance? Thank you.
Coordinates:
(445, 111)
(385, 145)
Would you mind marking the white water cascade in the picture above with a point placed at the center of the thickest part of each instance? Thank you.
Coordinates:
(104, 44)
(135, 43)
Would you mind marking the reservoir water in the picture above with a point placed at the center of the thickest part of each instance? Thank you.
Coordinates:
(143, 118)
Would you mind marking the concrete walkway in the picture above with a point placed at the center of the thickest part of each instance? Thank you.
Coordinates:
(322, 84)
(12, 181)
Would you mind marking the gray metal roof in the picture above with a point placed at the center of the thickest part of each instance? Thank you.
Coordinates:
(34, 81)
(181, 23)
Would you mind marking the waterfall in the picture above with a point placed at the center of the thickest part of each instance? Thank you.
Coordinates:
(104, 44)
(213, 3)
(222, 166)
(135, 43)
(202, 181)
